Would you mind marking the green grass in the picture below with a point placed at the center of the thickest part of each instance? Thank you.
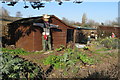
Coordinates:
(38, 52)
(19, 51)
(102, 49)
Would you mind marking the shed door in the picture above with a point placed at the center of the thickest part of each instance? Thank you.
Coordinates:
(69, 35)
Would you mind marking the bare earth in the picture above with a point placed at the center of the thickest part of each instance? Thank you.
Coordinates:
(107, 68)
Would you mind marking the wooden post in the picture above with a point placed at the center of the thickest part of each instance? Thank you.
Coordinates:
(74, 39)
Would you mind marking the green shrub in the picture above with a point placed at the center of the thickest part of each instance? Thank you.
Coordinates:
(111, 43)
(15, 67)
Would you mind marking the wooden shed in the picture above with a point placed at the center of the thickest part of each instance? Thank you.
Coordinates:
(23, 34)
(107, 31)
(81, 34)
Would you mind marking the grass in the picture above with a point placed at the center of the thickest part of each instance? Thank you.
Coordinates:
(102, 49)
(19, 51)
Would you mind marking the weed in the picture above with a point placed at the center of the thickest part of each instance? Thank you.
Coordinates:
(86, 48)
(65, 73)
(69, 50)
(61, 48)
(75, 70)
(58, 49)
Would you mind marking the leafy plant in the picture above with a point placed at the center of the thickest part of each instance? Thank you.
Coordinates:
(15, 67)
(58, 49)
(67, 59)
(85, 59)
(85, 48)
(61, 48)
(69, 50)
(53, 60)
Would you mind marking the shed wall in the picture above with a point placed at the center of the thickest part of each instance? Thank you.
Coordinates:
(26, 42)
(109, 29)
(59, 37)
(31, 37)
(37, 40)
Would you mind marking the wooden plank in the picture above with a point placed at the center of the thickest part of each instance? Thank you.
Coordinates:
(25, 42)
(37, 40)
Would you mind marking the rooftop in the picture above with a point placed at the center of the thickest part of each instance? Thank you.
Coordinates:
(85, 28)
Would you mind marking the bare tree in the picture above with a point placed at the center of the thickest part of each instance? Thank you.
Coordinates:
(113, 23)
(68, 22)
(92, 23)
(4, 12)
(84, 19)
(65, 20)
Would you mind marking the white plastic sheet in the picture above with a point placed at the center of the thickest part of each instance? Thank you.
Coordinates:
(80, 45)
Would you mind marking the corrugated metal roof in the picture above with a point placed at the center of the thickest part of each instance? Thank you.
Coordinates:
(85, 28)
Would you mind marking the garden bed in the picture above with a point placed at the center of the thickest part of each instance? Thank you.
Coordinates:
(96, 61)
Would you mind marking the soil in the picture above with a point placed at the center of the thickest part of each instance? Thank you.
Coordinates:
(107, 68)
(37, 58)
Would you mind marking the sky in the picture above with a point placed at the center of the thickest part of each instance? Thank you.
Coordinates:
(97, 11)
